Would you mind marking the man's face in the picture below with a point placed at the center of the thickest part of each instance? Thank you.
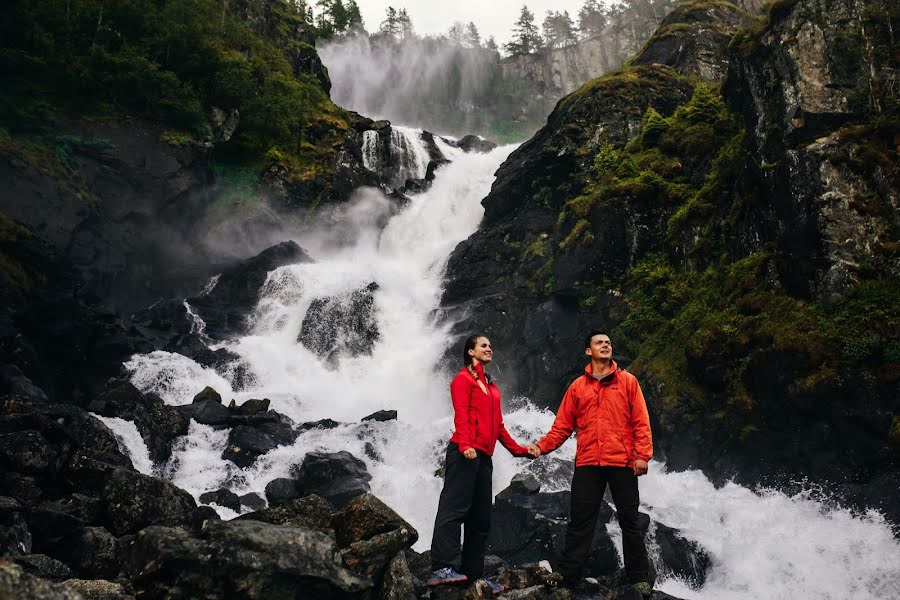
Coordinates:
(600, 348)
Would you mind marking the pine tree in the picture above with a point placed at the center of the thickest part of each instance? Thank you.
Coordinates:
(491, 45)
(559, 30)
(456, 34)
(406, 26)
(472, 38)
(526, 38)
(354, 16)
(591, 19)
(391, 24)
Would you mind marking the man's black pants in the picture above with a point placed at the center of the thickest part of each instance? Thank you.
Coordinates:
(465, 501)
(588, 486)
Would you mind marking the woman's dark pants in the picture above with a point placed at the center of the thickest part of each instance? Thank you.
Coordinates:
(588, 486)
(465, 501)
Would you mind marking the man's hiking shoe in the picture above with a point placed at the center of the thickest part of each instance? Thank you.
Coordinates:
(496, 588)
(445, 576)
(644, 587)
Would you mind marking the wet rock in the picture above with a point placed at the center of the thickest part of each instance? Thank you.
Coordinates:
(281, 490)
(208, 412)
(16, 584)
(207, 394)
(371, 557)
(312, 512)
(322, 424)
(15, 537)
(98, 589)
(23, 489)
(527, 528)
(338, 477)
(521, 483)
(341, 325)
(13, 381)
(222, 497)
(241, 558)
(43, 566)
(93, 553)
(225, 308)
(158, 423)
(133, 501)
(246, 444)
(474, 143)
(27, 452)
(366, 516)
(681, 557)
(193, 346)
(397, 583)
(382, 415)
(253, 406)
(253, 501)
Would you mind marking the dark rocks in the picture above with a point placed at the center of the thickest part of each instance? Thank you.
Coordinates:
(16, 584)
(253, 406)
(253, 501)
(13, 381)
(693, 39)
(365, 517)
(397, 582)
(527, 528)
(158, 423)
(43, 566)
(338, 477)
(207, 394)
(521, 483)
(133, 501)
(94, 553)
(222, 497)
(98, 589)
(261, 433)
(341, 326)
(241, 559)
(15, 537)
(224, 309)
(382, 415)
(311, 512)
(281, 490)
(683, 558)
(475, 143)
(207, 412)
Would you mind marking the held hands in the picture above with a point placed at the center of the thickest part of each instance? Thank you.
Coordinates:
(640, 467)
(533, 450)
(470, 453)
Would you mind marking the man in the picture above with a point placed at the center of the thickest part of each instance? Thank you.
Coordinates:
(607, 408)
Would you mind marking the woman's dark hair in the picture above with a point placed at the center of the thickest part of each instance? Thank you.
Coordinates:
(470, 345)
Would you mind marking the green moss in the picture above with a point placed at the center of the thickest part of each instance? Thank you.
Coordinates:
(580, 235)
(540, 246)
(894, 435)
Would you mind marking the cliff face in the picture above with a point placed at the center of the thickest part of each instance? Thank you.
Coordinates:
(739, 246)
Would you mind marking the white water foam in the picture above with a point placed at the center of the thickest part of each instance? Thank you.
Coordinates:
(130, 442)
(762, 544)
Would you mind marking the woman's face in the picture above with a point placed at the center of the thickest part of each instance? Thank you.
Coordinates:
(482, 352)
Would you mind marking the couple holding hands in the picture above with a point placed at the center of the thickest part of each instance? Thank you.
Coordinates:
(607, 409)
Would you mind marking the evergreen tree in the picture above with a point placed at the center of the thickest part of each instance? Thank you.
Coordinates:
(456, 34)
(406, 26)
(472, 38)
(491, 45)
(354, 16)
(391, 24)
(591, 19)
(559, 30)
(526, 38)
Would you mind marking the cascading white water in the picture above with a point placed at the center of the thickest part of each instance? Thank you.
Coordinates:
(763, 545)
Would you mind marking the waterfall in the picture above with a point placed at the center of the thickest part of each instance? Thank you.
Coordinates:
(763, 544)
(399, 156)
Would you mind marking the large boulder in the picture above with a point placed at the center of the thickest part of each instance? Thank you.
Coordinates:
(241, 559)
(338, 477)
(16, 584)
(133, 501)
(341, 325)
(255, 434)
(311, 512)
(681, 557)
(15, 537)
(224, 308)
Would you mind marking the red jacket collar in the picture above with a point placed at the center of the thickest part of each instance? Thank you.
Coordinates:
(590, 373)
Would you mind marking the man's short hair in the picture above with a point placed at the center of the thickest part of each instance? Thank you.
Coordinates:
(590, 336)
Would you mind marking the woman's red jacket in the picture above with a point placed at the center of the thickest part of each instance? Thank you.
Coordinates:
(477, 416)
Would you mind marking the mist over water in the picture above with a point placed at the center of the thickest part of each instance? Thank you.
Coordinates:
(419, 82)
(763, 544)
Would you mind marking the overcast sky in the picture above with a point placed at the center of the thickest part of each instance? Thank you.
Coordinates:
(492, 17)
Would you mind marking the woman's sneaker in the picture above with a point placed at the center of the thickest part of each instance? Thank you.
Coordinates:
(496, 588)
(445, 576)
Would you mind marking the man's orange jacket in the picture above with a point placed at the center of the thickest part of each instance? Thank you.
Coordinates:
(611, 418)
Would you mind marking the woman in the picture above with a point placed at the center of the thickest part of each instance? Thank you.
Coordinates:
(466, 497)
